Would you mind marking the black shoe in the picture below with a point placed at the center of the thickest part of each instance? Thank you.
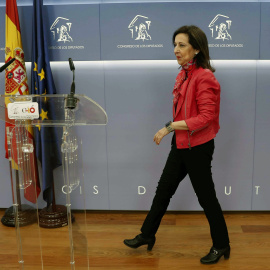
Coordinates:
(139, 241)
(215, 254)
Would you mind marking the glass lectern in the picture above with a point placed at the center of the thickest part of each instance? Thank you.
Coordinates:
(48, 237)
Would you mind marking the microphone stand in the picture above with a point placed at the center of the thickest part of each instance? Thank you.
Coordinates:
(71, 101)
(7, 64)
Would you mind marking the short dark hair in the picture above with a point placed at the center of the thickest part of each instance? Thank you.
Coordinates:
(198, 41)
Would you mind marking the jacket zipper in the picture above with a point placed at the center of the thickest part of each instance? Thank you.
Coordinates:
(189, 145)
(195, 130)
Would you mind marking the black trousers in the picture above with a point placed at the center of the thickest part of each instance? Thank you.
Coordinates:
(197, 164)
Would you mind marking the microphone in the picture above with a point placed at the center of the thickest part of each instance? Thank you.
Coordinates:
(71, 65)
(71, 101)
(7, 64)
(72, 68)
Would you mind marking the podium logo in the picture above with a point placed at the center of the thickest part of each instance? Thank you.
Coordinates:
(139, 28)
(61, 30)
(220, 27)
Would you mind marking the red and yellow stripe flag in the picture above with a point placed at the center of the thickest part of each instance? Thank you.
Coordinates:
(16, 79)
(16, 82)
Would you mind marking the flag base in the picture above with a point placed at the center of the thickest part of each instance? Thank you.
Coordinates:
(26, 215)
(54, 218)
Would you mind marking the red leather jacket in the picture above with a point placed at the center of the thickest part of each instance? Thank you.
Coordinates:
(199, 106)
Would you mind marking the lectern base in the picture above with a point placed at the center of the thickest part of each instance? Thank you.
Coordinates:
(49, 218)
(26, 215)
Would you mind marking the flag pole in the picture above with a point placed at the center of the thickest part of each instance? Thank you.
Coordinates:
(53, 201)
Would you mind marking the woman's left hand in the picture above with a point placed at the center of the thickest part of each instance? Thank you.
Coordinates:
(160, 134)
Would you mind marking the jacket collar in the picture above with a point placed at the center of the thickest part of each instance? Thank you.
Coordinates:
(183, 93)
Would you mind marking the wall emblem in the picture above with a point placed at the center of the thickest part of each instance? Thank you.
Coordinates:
(61, 30)
(220, 27)
(139, 28)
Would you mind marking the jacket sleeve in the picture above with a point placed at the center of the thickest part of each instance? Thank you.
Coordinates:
(207, 97)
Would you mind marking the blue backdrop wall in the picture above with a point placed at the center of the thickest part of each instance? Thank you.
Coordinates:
(132, 76)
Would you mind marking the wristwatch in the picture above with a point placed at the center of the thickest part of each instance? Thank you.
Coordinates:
(169, 127)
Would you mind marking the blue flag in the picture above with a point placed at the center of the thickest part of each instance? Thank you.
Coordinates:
(46, 138)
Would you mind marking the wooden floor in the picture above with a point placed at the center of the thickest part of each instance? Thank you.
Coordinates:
(182, 240)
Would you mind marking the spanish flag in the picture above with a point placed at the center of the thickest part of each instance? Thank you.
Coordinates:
(16, 84)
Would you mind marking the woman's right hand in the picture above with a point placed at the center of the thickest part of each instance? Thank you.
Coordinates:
(160, 134)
